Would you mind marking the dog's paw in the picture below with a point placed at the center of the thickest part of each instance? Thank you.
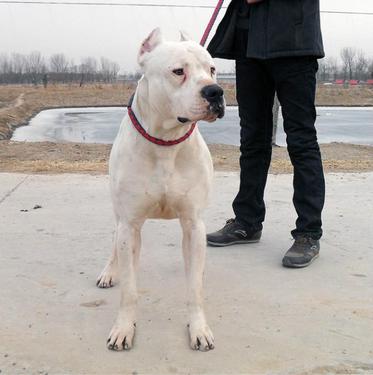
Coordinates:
(107, 278)
(201, 338)
(121, 336)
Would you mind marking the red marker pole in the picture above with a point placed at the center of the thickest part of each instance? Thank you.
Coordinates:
(211, 23)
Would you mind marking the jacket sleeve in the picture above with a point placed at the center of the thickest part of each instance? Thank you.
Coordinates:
(223, 42)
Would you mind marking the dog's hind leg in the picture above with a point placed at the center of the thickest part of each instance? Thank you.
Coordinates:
(109, 275)
(194, 250)
(128, 242)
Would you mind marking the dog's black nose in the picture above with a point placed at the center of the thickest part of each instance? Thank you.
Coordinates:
(212, 93)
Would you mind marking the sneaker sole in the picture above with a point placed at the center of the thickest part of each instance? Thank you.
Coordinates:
(303, 265)
(238, 242)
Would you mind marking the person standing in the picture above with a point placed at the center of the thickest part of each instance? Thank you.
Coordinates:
(276, 44)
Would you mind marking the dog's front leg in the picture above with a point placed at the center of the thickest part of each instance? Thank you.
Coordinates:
(109, 275)
(128, 247)
(194, 249)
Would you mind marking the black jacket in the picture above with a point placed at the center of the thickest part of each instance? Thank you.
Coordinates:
(276, 28)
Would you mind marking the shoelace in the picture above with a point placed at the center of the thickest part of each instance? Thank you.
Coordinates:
(302, 240)
(228, 223)
(306, 241)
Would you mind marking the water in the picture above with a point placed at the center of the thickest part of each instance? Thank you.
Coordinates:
(100, 125)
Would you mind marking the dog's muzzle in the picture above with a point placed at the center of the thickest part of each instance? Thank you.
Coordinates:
(214, 94)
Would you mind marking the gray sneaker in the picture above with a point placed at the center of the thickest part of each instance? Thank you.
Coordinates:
(233, 233)
(302, 253)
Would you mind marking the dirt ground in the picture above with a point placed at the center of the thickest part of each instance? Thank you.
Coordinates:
(19, 103)
(47, 157)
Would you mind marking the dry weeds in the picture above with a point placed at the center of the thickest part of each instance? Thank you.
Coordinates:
(50, 158)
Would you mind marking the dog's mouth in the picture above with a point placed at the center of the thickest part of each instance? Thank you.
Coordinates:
(214, 111)
(217, 108)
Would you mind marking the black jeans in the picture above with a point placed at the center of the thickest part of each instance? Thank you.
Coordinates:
(294, 80)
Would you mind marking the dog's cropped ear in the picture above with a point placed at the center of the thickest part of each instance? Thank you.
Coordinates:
(150, 43)
(184, 36)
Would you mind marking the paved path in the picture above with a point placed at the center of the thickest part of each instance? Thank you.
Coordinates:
(266, 319)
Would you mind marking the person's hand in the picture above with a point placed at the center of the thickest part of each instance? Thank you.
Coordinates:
(253, 1)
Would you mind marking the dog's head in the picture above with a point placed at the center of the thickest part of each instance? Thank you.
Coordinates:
(181, 79)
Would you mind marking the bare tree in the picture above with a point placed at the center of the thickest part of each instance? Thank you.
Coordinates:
(73, 68)
(87, 69)
(5, 65)
(348, 56)
(59, 63)
(35, 62)
(323, 72)
(88, 65)
(19, 63)
(34, 66)
(370, 69)
(333, 67)
(115, 67)
(105, 68)
(109, 70)
(361, 65)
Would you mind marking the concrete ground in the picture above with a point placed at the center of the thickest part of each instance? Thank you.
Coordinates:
(266, 319)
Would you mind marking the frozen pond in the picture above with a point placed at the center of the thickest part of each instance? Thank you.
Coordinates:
(100, 125)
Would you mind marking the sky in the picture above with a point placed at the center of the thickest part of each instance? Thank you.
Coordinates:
(116, 32)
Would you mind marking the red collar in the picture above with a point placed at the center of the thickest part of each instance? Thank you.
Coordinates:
(157, 141)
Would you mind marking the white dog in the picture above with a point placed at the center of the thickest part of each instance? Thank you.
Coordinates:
(160, 167)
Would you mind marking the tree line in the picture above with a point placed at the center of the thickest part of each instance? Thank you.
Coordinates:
(353, 65)
(34, 68)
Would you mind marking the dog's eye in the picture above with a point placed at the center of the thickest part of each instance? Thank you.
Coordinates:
(178, 72)
(213, 70)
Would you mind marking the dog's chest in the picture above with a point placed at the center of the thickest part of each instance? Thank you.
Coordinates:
(164, 191)
(166, 182)
(168, 189)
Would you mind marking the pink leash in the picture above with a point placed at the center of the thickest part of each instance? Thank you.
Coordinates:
(211, 23)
